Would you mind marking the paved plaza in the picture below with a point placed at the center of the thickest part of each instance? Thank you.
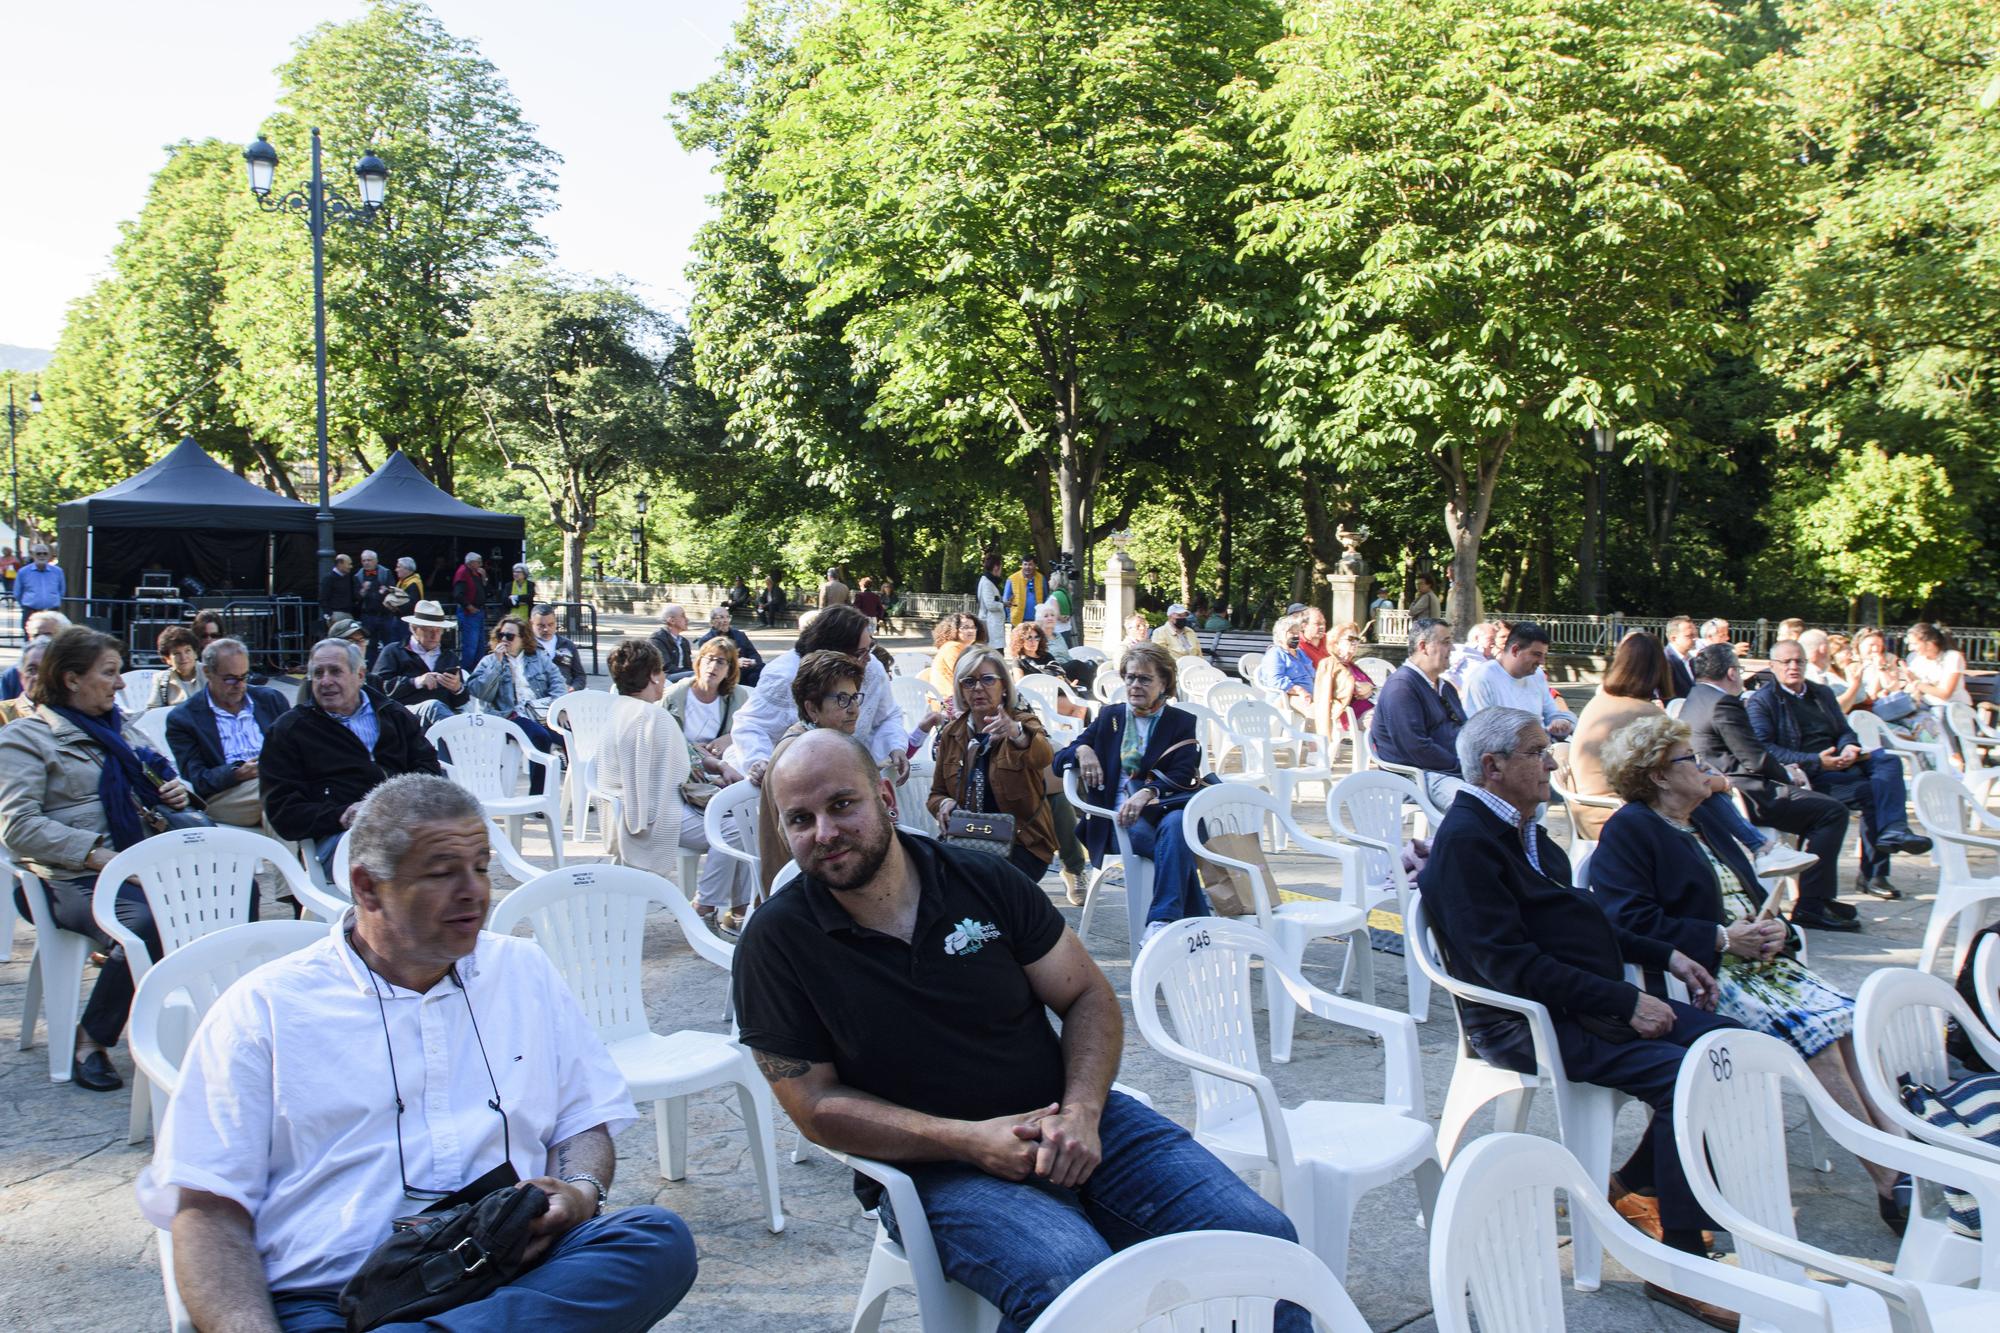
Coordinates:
(74, 1253)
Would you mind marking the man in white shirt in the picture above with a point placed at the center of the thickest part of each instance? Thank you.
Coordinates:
(1515, 679)
(348, 1084)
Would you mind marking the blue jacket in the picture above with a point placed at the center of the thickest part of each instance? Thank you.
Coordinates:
(492, 681)
(1416, 725)
(1294, 669)
(196, 740)
(1779, 730)
(1104, 735)
(1654, 881)
(40, 589)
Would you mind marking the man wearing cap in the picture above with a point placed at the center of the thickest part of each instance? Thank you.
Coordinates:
(40, 586)
(1025, 592)
(419, 674)
(371, 584)
(1177, 636)
(468, 592)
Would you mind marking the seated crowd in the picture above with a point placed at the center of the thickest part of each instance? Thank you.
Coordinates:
(1031, 1166)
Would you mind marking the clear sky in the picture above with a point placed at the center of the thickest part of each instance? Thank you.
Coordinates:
(91, 93)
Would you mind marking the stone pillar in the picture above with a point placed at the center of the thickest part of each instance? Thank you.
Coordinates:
(1350, 597)
(1121, 599)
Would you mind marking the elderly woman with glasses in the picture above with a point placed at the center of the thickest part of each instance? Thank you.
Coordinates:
(1667, 868)
(519, 681)
(991, 758)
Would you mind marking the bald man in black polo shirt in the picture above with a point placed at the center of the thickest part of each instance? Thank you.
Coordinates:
(895, 996)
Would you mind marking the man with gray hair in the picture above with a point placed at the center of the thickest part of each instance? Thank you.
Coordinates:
(675, 654)
(377, 1033)
(1417, 712)
(217, 736)
(371, 584)
(1498, 896)
(468, 594)
(339, 744)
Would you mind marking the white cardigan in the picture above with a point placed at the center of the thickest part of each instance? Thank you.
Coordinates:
(759, 725)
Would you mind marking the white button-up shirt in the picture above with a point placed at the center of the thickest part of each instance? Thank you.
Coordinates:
(286, 1104)
(242, 738)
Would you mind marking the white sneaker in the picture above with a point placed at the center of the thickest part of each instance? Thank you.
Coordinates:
(1152, 928)
(1777, 859)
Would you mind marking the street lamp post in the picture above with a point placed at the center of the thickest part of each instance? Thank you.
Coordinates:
(318, 206)
(14, 456)
(641, 501)
(1603, 440)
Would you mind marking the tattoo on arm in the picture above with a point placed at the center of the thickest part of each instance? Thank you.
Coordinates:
(777, 1068)
(589, 1150)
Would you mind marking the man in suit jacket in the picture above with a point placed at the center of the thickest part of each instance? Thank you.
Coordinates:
(1417, 716)
(1680, 636)
(1498, 897)
(675, 653)
(1164, 763)
(1779, 797)
(1802, 724)
(217, 736)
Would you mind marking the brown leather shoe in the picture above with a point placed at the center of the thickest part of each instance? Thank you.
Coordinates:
(1642, 1211)
(1712, 1315)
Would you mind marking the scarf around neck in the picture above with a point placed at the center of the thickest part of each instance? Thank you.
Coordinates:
(128, 775)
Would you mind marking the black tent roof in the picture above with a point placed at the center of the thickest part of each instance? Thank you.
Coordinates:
(397, 497)
(186, 489)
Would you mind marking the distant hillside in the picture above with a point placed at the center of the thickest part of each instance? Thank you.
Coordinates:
(22, 358)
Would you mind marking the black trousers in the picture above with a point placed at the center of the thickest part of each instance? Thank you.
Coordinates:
(111, 998)
(1643, 1068)
(1820, 821)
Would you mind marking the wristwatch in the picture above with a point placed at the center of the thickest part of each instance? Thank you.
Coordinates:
(592, 1181)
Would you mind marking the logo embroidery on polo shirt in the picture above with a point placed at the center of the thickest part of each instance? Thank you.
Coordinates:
(970, 937)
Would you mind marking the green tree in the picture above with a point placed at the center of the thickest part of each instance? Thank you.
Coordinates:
(1018, 207)
(467, 182)
(1511, 220)
(1887, 526)
(573, 387)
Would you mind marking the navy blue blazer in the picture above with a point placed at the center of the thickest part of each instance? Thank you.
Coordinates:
(1416, 725)
(1779, 730)
(197, 742)
(1654, 881)
(1104, 735)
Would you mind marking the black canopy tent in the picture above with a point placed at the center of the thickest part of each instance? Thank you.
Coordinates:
(395, 511)
(191, 517)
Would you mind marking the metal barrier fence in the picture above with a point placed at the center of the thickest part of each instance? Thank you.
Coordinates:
(13, 624)
(578, 620)
(276, 630)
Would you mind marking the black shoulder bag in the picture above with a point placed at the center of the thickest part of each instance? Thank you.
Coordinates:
(437, 1261)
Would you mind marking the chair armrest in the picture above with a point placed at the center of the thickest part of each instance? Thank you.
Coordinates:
(1902, 1295)
(1269, 1109)
(326, 906)
(1076, 800)
(1403, 1074)
(1773, 1300)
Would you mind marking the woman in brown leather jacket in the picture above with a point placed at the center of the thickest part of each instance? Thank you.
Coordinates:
(992, 757)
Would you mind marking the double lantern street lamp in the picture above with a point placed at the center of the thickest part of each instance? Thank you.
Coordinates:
(1603, 440)
(640, 502)
(14, 456)
(318, 206)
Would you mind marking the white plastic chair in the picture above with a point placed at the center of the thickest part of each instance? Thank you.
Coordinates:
(1377, 669)
(55, 976)
(1217, 740)
(733, 811)
(1493, 1249)
(1135, 871)
(182, 986)
(591, 921)
(1109, 687)
(1949, 814)
(581, 718)
(487, 751)
(1324, 1155)
(1975, 746)
(1235, 808)
(1586, 1114)
(1899, 1030)
(1192, 678)
(1201, 1282)
(1248, 666)
(1083, 652)
(912, 792)
(196, 881)
(1263, 730)
(1560, 785)
(914, 697)
(910, 661)
(1365, 812)
(1674, 707)
(1917, 756)
(152, 725)
(137, 690)
(1730, 1129)
(1986, 982)
(10, 916)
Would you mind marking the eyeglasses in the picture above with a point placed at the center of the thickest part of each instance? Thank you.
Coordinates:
(1532, 752)
(843, 699)
(507, 638)
(1685, 759)
(1142, 680)
(989, 680)
(233, 680)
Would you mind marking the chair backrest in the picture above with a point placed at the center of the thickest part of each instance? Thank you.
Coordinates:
(138, 686)
(202, 970)
(1041, 693)
(911, 661)
(1377, 669)
(1201, 1280)
(1986, 981)
(152, 724)
(591, 921)
(1238, 807)
(1365, 809)
(1208, 980)
(1248, 665)
(1944, 806)
(1083, 652)
(582, 717)
(486, 752)
(733, 810)
(1225, 695)
(1730, 1125)
(1214, 732)
(197, 881)
(914, 697)
(1494, 1257)
(1261, 729)
(1868, 729)
(1899, 1019)
(1109, 687)
(1193, 678)
(1963, 724)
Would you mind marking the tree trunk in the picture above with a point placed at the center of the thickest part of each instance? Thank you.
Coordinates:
(1587, 554)
(1545, 571)
(572, 565)
(1226, 557)
(1465, 517)
(1041, 521)
(885, 531)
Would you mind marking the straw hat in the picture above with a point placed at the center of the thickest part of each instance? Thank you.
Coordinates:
(428, 613)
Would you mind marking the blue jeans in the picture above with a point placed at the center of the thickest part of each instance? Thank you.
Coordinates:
(323, 849)
(1875, 788)
(471, 637)
(622, 1271)
(1176, 889)
(1739, 828)
(1019, 1245)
